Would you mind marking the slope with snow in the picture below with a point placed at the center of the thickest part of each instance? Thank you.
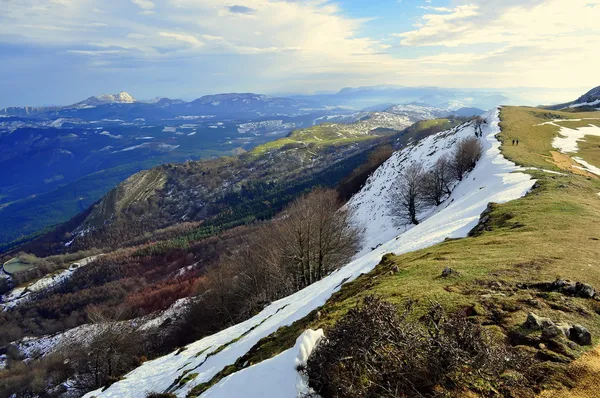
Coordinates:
(371, 205)
(21, 294)
(494, 179)
(568, 139)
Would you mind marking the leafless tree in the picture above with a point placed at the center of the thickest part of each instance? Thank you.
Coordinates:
(466, 154)
(437, 182)
(406, 195)
(317, 236)
(110, 350)
(313, 237)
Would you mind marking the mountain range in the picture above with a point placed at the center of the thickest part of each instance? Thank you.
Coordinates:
(60, 160)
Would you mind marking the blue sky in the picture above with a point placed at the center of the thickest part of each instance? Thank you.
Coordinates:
(61, 51)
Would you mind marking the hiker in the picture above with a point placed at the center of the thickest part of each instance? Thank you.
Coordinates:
(517, 142)
(513, 142)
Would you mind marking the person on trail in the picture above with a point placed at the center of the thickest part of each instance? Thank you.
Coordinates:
(513, 142)
(517, 142)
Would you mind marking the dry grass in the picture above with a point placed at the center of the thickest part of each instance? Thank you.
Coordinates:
(586, 372)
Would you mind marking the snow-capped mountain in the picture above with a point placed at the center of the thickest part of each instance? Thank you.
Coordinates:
(589, 99)
(104, 99)
(587, 102)
(494, 179)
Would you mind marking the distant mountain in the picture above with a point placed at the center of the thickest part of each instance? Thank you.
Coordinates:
(589, 101)
(418, 111)
(468, 112)
(125, 107)
(120, 98)
(372, 96)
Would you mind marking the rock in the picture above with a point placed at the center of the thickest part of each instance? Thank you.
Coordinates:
(395, 269)
(584, 290)
(447, 272)
(551, 331)
(496, 285)
(581, 335)
(537, 322)
(570, 289)
(559, 284)
(519, 337)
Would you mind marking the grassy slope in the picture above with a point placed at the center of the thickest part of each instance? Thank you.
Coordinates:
(336, 133)
(552, 232)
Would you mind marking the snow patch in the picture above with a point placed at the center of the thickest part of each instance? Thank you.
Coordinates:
(568, 138)
(289, 383)
(108, 134)
(596, 102)
(587, 166)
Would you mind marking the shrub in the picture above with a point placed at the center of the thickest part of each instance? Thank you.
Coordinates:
(374, 351)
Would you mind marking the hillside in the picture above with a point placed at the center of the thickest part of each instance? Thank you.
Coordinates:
(502, 267)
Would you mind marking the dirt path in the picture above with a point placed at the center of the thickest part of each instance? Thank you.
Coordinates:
(564, 162)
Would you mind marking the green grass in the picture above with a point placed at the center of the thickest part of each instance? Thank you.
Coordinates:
(304, 141)
(327, 134)
(552, 232)
(535, 140)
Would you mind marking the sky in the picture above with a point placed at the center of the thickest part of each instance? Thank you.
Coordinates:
(62, 51)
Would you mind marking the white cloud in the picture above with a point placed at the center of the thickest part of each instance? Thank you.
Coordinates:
(144, 4)
(268, 45)
(189, 39)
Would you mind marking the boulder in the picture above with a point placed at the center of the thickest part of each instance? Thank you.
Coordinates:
(584, 290)
(537, 322)
(553, 330)
(447, 272)
(580, 335)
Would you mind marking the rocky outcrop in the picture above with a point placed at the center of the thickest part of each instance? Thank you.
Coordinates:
(551, 330)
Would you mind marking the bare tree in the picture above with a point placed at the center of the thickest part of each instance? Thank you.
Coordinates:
(313, 237)
(110, 350)
(318, 236)
(406, 195)
(466, 154)
(437, 182)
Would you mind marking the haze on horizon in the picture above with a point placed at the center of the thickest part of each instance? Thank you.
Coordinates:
(62, 51)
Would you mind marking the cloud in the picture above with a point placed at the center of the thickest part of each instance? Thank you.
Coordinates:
(185, 38)
(144, 4)
(241, 10)
(291, 45)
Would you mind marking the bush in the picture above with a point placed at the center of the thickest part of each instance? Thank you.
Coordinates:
(374, 351)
